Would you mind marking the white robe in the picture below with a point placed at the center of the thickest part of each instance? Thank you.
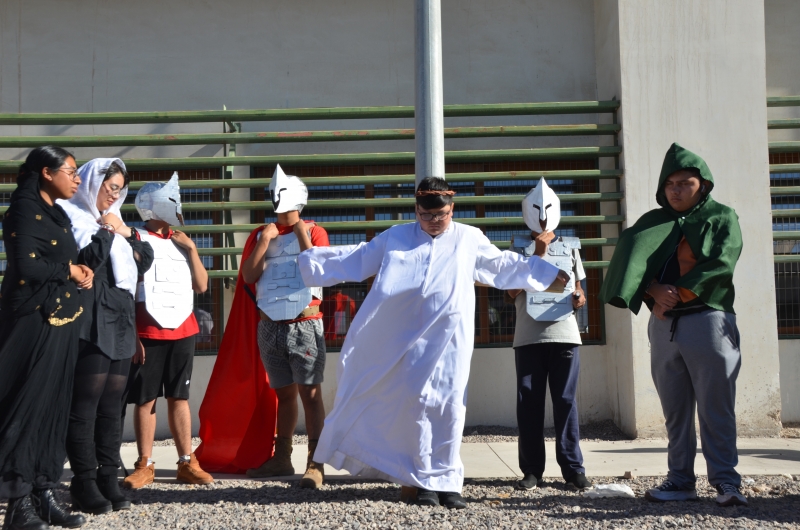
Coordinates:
(402, 378)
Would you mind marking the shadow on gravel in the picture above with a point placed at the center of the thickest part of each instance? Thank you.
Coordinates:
(784, 509)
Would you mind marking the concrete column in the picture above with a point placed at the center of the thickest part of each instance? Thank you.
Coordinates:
(428, 104)
(693, 72)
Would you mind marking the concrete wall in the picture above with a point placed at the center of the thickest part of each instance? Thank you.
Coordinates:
(782, 18)
(790, 375)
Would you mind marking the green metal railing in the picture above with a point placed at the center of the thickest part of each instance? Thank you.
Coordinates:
(233, 136)
(784, 147)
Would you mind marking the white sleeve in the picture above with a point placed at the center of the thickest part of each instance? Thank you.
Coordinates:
(509, 270)
(580, 273)
(326, 266)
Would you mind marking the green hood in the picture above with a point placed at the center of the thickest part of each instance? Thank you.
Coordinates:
(711, 229)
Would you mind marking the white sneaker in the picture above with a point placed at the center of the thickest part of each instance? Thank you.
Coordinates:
(669, 491)
(729, 495)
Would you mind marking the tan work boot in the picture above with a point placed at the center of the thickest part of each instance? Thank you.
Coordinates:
(280, 465)
(315, 472)
(143, 474)
(191, 473)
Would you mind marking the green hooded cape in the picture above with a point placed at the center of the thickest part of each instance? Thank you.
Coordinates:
(711, 230)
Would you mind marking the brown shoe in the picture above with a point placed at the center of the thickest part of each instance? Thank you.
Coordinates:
(280, 465)
(142, 475)
(315, 472)
(191, 473)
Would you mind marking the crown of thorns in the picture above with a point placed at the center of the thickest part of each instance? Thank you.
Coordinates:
(425, 193)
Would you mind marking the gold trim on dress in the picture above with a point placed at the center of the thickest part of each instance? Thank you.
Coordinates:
(38, 217)
(32, 254)
(61, 321)
(54, 242)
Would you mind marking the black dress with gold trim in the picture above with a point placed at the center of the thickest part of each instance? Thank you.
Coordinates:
(40, 312)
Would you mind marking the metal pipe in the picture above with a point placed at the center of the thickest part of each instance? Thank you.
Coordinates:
(322, 113)
(494, 155)
(302, 136)
(577, 174)
(428, 102)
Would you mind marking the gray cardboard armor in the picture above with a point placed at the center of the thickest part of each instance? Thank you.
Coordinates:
(551, 307)
(280, 292)
(166, 288)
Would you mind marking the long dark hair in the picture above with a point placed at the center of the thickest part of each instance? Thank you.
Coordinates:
(48, 156)
(116, 169)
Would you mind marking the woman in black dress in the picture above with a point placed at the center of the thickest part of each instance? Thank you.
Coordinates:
(40, 315)
(108, 333)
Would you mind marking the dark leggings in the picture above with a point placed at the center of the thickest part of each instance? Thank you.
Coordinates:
(94, 433)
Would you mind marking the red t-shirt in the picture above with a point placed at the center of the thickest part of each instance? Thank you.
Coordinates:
(319, 238)
(148, 328)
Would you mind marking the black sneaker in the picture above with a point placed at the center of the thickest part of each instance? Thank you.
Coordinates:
(427, 498)
(578, 482)
(452, 500)
(669, 491)
(729, 495)
(528, 482)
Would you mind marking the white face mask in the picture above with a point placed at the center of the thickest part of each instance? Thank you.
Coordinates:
(541, 204)
(161, 201)
(288, 192)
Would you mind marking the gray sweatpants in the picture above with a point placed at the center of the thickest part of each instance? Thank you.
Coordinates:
(699, 367)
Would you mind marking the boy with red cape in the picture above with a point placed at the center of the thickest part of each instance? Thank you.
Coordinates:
(241, 409)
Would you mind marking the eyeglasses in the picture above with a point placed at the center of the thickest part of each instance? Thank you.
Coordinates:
(432, 217)
(71, 172)
(113, 190)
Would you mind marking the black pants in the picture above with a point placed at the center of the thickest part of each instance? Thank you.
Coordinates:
(95, 432)
(536, 365)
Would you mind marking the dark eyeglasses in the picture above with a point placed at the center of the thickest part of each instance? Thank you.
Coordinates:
(432, 217)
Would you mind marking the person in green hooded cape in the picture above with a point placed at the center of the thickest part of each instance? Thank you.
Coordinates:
(679, 261)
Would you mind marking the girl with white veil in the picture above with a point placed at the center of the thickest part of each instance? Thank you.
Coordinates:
(108, 334)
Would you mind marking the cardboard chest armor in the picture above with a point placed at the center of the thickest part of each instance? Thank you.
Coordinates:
(551, 307)
(166, 288)
(280, 292)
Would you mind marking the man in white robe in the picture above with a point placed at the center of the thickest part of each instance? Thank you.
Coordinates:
(402, 379)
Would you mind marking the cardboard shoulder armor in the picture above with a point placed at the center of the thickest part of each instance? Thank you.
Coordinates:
(166, 288)
(551, 307)
(280, 292)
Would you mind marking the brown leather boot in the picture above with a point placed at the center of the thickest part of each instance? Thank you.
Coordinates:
(191, 473)
(280, 465)
(315, 472)
(142, 475)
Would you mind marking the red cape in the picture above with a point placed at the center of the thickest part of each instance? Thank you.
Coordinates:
(239, 411)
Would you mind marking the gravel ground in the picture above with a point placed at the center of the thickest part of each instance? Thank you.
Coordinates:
(774, 503)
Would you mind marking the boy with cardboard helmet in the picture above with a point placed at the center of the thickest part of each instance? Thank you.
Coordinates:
(167, 330)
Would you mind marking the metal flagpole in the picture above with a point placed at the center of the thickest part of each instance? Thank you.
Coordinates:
(428, 105)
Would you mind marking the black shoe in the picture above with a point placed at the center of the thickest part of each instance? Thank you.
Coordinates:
(528, 482)
(578, 481)
(108, 485)
(87, 498)
(427, 498)
(21, 515)
(53, 512)
(452, 500)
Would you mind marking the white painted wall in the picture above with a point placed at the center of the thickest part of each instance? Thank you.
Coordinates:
(491, 392)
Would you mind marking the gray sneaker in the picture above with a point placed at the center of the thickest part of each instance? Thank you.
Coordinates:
(669, 491)
(729, 495)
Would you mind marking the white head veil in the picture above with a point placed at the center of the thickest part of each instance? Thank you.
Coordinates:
(83, 212)
(541, 204)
